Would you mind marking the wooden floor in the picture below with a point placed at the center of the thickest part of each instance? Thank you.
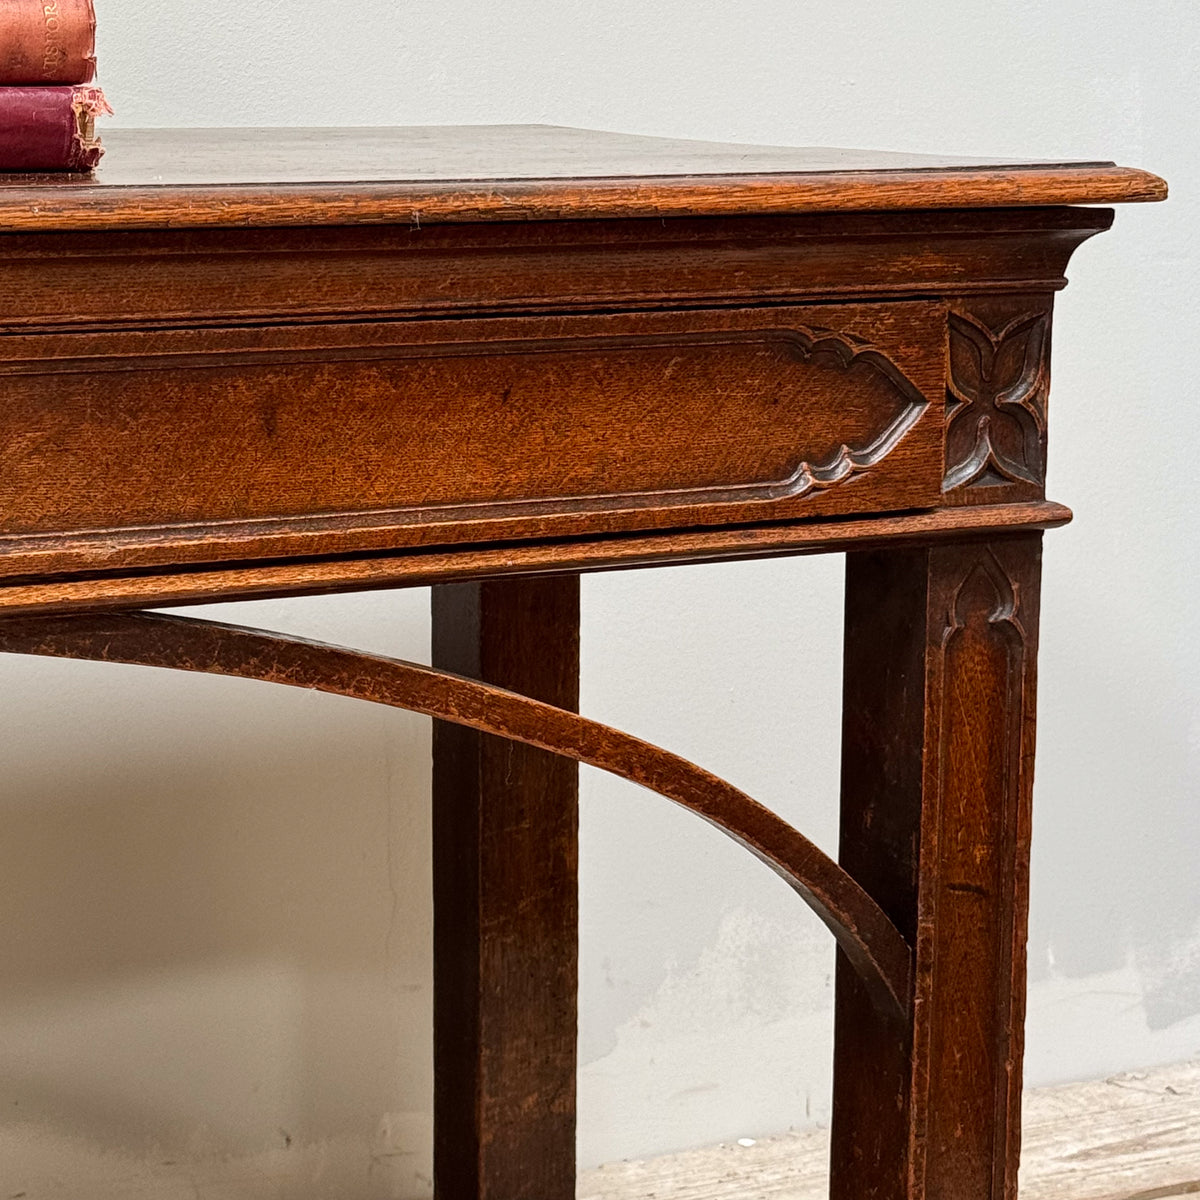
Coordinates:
(1130, 1137)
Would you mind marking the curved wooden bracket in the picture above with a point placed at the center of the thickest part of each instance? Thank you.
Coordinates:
(868, 938)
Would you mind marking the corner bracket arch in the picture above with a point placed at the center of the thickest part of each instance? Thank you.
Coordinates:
(870, 941)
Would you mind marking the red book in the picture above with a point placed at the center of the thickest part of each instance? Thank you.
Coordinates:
(50, 128)
(47, 41)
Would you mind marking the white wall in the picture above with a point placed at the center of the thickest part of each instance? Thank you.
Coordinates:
(214, 907)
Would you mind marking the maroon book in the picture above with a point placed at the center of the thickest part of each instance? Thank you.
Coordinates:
(47, 41)
(50, 128)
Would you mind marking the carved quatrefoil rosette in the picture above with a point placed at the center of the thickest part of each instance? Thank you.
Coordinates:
(996, 420)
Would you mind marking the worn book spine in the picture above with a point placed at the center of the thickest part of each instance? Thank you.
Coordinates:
(50, 128)
(47, 41)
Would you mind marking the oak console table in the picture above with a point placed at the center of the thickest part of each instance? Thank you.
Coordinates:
(256, 363)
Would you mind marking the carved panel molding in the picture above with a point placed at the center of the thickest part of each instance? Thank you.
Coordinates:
(986, 593)
(988, 600)
(163, 446)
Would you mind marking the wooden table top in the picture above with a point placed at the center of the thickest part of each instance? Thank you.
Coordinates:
(188, 178)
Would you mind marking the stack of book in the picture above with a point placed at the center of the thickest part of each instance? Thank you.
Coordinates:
(48, 106)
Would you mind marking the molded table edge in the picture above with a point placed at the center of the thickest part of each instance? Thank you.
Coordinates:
(80, 205)
(428, 567)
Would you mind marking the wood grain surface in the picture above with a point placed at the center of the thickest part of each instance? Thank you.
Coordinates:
(1128, 1137)
(262, 395)
(195, 279)
(285, 441)
(937, 778)
(559, 351)
(506, 903)
(424, 568)
(188, 178)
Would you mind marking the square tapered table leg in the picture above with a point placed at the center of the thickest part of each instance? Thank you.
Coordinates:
(940, 669)
(505, 820)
